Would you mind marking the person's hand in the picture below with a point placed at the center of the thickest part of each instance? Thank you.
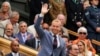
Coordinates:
(29, 36)
(79, 24)
(44, 9)
(16, 39)
(98, 29)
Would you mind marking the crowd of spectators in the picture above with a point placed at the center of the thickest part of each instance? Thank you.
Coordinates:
(83, 17)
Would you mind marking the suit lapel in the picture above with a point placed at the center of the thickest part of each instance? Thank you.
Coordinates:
(21, 39)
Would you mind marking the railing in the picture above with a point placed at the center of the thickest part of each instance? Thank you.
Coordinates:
(5, 47)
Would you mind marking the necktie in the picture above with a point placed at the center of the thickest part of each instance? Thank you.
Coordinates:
(24, 37)
(55, 42)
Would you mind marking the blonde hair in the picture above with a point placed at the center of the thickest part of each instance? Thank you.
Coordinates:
(86, 48)
(57, 21)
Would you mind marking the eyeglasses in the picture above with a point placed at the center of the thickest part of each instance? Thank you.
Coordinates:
(83, 33)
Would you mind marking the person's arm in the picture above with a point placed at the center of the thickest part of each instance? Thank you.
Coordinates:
(37, 25)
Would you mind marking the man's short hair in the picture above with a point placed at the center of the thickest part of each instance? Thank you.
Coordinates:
(13, 14)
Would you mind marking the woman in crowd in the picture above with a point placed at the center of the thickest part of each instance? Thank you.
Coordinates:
(5, 11)
(83, 51)
(82, 36)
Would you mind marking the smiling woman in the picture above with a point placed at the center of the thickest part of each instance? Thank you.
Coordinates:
(83, 51)
(5, 11)
(82, 36)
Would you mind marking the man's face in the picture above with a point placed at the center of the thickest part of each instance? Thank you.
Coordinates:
(74, 51)
(66, 41)
(15, 46)
(55, 27)
(9, 30)
(62, 19)
(95, 2)
(45, 26)
(23, 27)
(15, 19)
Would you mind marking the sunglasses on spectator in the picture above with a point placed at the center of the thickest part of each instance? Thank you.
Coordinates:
(83, 33)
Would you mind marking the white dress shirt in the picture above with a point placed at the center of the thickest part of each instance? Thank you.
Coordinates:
(58, 41)
(15, 54)
(37, 43)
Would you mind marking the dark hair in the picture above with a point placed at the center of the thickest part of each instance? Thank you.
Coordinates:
(90, 2)
(64, 36)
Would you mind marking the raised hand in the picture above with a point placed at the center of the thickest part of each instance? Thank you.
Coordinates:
(44, 9)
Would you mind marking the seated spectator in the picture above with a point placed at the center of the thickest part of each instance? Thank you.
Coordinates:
(5, 11)
(62, 18)
(34, 43)
(45, 26)
(82, 36)
(31, 28)
(66, 39)
(83, 51)
(13, 20)
(15, 49)
(8, 32)
(73, 50)
(23, 35)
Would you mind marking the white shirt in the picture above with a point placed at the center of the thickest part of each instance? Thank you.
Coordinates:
(58, 40)
(10, 38)
(36, 46)
(15, 54)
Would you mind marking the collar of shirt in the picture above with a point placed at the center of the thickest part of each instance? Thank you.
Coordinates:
(10, 38)
(24, 34)
(94, 6)
(24, 37)
(15, 54)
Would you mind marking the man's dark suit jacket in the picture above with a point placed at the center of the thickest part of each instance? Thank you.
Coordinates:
(10, 54)
(74, 14)
(31, 43)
